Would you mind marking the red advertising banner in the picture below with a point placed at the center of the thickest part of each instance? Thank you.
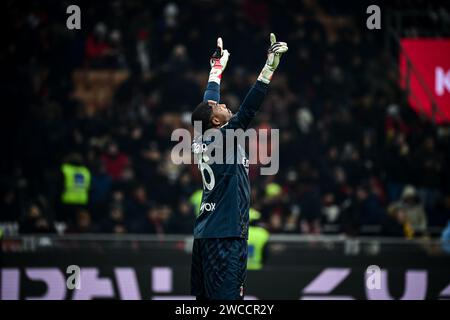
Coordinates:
(428, 75)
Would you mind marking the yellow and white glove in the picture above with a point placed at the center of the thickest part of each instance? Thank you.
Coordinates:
(274, 53)
(218, 62)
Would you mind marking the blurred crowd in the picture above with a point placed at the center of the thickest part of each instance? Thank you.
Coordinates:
(354, 157)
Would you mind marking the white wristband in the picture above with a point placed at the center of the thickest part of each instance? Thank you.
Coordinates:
(266, 74)
(215, 75)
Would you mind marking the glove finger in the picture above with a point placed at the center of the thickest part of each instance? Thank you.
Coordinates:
(226, 53)
(273, 39)
(281, 49)
(275, 46)
(220, 43)
(278, 48)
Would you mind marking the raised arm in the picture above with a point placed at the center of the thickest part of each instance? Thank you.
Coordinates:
(218, 63)
(255, 96)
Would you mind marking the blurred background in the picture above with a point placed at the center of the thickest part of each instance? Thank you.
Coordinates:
(364, 141)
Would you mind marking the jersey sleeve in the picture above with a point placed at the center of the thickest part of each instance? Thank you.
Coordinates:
(212, 92)
(249, 107)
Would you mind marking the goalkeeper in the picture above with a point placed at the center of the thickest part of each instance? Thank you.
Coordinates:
(219, 256)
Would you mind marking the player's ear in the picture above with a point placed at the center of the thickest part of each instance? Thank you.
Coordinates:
(215, 121)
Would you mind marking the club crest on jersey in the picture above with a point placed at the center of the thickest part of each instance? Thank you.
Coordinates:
(199, 147)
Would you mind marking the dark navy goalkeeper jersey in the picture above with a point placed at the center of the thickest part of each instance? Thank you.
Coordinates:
(224, 210)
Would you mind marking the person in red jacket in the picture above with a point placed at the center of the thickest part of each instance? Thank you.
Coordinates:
(115, 161)
(97, 46)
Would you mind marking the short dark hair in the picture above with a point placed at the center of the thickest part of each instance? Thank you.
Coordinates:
(203, 113)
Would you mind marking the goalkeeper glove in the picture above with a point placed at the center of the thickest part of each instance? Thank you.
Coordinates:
(218, 62)
(274, 53)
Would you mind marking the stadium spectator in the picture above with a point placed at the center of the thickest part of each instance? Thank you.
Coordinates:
(138, 206)
(364, 209)
(396, 223)
(115, 56)
(182, 220)
(196, 200)
(97, 47)
(275, 222)
(34, 221)
(100, 191)
(143, 52)
(155, 221)
(115, 222)
(115, 161)
(258, 238)
(330, 210)
(9, 205)
(82, 223)
(415, 212)
(428, 167)
(76, 183)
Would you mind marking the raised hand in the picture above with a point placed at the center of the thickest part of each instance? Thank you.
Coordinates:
(218, 61)
(274, 53)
